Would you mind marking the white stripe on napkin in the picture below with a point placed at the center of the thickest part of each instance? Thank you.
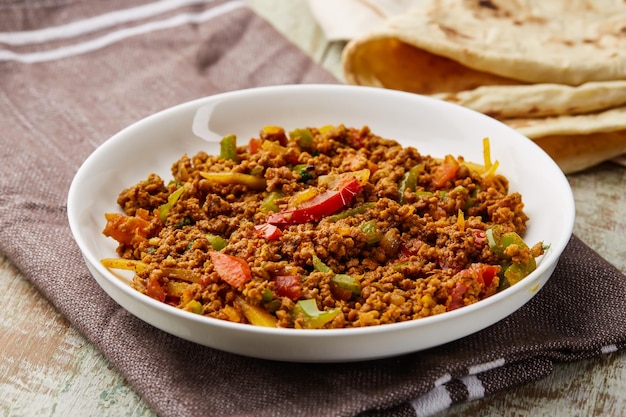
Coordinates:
(487, 366)
(609, 349)
(113, 37)
(445, 378)
(439, 397)
(93, 24)
(475, 388)
(434, 401)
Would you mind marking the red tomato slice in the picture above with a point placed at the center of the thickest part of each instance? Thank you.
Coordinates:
(480, 237)
(289, 286)
(155, 290)
(456, 296)
(487, 274)
(268, 231)
(482, 275)
(231, 269)
(254, 146)
(325, 204)
(446, 171)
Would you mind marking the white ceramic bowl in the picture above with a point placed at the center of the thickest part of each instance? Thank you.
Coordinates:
(434, 127)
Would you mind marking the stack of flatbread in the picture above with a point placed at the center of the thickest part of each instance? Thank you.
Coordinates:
(554, 70)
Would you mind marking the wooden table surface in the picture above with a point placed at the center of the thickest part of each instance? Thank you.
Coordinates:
(67, 376)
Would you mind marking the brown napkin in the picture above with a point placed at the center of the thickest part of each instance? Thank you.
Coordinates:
(66, 89)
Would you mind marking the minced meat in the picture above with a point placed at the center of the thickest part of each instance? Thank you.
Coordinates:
(371, 231)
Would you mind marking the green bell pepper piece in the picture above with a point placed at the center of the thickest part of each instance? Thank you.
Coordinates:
(217, 242)
(371, 229)
(312, 317)
(347, 282)
(303, 138)
(228, 148)
(409, 180)
(269, 203)
(164, 209)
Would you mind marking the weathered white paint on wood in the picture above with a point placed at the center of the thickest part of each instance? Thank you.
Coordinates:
(47, 368)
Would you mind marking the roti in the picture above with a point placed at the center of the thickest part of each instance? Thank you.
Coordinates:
(554, 70)
(531, 41)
